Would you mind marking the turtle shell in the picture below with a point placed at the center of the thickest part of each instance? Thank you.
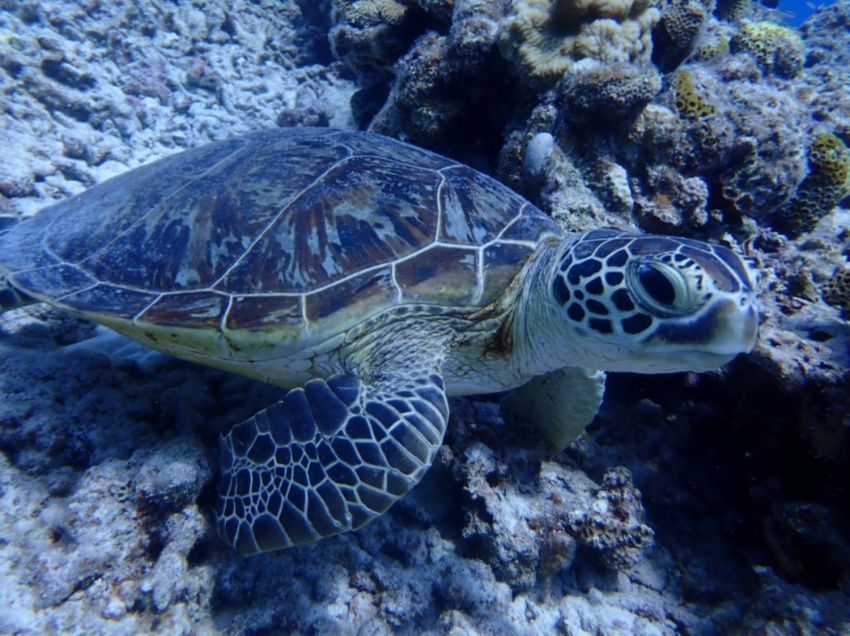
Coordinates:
(286, 235)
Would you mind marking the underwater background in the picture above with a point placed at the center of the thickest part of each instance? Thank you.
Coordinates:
(800, 10)
(694, 504)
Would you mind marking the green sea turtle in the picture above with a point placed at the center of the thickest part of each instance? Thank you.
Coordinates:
(374, 279)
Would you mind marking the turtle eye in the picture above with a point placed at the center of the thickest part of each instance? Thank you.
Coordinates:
(661, 287)
(656, 285)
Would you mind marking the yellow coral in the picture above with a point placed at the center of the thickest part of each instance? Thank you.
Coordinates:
(545, 39)
(713, 48)
(829, 161)
(689, 103)
(776, 48)
(836, 291)
(827, 183)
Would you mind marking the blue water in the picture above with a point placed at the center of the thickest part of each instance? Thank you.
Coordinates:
(801, 9)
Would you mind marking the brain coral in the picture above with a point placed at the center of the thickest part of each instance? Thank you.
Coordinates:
(826, 184)
(777, 49)
(545, 39)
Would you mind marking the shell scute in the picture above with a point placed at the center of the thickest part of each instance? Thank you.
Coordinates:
(193, 236)
(108, 300)
(193, 310)
(475, 208)
(357, 298)
(530, 226)
(144, 195)
(441, 275)
(390, 150)
(55, 281)
(263, 312)
(502, 261)
(362, 212)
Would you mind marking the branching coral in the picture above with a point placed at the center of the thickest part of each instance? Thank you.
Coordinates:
(826, 184)
(777, 49)
(545, 39)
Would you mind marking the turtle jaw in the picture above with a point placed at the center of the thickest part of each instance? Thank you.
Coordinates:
(708, 342)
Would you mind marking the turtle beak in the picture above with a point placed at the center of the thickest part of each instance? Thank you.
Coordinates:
(735, 326)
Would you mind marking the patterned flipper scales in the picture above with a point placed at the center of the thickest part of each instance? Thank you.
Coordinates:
(328, 458)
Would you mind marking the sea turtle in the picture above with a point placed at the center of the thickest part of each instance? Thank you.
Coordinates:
(374, 279)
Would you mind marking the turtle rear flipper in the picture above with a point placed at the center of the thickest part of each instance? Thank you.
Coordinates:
(326, 459)
(11, 298)
(8, 221)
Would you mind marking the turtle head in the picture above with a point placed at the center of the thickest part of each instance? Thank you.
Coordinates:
(653, 304)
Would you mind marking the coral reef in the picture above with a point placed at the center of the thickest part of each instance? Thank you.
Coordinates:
(611, 93)
(369, 36)
(420, 74)
(732, 10)
(689, 102)
(676, 33)
(836, 290)
(426, 102)
(545, 39)
(827, 182)
(743, 139)
(564, 189)
(778, 49)
(676, 202)
(712, 47)
(409, 57)
(613, 525)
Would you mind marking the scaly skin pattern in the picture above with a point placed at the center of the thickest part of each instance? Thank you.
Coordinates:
(335, 454)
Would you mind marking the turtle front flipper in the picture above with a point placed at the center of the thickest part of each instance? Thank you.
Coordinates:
(326, 459)
(561, 403)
